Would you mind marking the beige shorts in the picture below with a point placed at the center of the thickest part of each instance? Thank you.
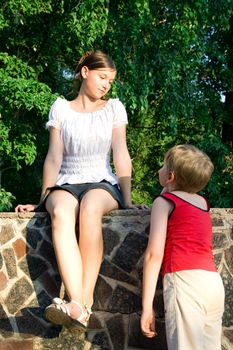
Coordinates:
(194, 306)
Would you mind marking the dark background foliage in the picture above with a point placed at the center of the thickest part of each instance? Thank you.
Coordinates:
(175, 77)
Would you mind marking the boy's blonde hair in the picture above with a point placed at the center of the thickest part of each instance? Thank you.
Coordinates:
(192, 167)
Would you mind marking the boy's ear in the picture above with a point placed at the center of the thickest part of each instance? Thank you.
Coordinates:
(171, 176)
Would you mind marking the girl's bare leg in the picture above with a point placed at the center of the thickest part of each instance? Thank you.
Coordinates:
(93, 206)
(63, 209)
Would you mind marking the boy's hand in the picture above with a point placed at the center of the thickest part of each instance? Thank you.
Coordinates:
(148, 324)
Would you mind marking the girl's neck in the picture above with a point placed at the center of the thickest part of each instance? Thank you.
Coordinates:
(86, 104)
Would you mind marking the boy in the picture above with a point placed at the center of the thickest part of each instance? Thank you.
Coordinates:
(181, 238)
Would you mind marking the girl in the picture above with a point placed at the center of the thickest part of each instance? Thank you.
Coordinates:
(78, 183)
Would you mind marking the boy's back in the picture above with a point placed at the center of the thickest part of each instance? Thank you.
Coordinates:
(189, 235)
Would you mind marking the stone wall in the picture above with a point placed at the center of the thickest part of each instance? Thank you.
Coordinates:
(29, 279)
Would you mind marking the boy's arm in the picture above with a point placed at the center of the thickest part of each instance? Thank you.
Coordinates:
(152, 262)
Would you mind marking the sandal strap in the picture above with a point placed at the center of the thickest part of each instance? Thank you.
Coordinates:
(63, 308)
(59, 301)
(86, 312)
(78, 304)
(83, 318)
(60, 305)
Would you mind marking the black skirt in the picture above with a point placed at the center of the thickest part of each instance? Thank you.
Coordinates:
(79, 191)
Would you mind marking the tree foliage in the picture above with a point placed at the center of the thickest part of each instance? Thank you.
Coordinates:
(175, 76)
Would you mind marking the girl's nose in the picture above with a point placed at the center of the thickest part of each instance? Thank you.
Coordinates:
(105, 84)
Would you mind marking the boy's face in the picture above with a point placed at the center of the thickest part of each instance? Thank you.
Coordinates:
(163, 175)
(167, 177)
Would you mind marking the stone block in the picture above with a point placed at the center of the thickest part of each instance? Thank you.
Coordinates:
(66, 341)
(16, 345)
(29, 325)
(18, 295)
(6, 329)
(228, 285)
(217, 260)
(46, 250)
(10, 262)
(103, 292)
(110, 270)
(124, 300)
(217, 221)
(3, 280)
(33, 236)
(33, 266)
(219, 240)
(159, 305)
(111, 240)
(20, 248)
(49, 284)
(102, 342)
(229, 335)
(6, 233)
(130, 252)
(42, 221)
(117, 329)
(229, 258)
(95, 322)
(1, 261)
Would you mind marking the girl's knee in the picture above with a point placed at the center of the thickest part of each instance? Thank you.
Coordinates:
(90, 222)
(60, 214)
(90, 209)
(56, 212)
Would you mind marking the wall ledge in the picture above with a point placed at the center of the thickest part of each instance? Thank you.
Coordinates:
(29, 279)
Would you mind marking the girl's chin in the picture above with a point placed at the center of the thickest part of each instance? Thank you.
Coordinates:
(97, 96)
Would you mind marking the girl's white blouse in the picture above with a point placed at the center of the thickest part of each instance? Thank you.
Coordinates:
(87, 139)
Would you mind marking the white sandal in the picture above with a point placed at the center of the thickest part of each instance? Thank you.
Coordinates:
(88, 312)
(59, 314)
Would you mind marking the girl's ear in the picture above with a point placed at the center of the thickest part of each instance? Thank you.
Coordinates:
(84, 72)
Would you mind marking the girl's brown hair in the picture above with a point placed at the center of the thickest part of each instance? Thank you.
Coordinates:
(94, 60)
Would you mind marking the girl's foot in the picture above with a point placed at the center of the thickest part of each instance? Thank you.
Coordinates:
(72, 315)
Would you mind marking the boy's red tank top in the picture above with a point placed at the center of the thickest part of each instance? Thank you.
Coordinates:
(189, 237)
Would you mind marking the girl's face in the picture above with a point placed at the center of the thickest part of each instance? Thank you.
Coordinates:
(97, 83)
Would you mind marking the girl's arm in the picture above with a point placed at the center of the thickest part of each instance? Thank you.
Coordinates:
(51, 167)
(53, 160)
(122, 162)
(152, 262)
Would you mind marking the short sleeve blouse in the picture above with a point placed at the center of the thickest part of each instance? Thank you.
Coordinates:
(87, 139)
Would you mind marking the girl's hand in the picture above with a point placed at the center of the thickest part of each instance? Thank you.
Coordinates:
(23, 208)
(148, 324)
